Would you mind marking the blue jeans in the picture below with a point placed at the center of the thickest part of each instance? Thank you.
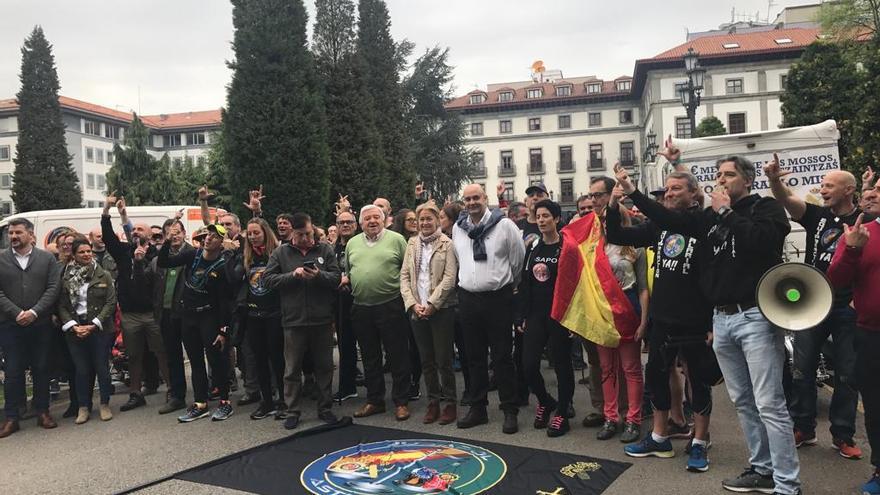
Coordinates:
(841, 326)
(751, 355)
(25, 347)
(91, 355)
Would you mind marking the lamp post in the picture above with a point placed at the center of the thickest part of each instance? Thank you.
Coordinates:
(648, 156)
(693, 87)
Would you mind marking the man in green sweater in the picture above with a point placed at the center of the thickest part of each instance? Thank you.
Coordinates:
(374, 259)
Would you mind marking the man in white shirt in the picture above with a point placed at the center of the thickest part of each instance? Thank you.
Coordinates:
(490, 256)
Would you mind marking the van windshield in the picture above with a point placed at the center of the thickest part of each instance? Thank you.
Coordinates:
(4, 237)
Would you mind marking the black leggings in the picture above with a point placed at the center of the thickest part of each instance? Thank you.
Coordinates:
(540, 330)
(267, 341)
(668, 342)
(199, 330)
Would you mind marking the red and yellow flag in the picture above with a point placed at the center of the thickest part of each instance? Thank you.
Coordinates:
(588, 299)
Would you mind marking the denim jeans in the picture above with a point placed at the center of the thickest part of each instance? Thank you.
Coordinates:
(841, 326)
(751, 355)
(91, 355)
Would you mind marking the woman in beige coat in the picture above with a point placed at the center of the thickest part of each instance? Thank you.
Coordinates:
(427, 284)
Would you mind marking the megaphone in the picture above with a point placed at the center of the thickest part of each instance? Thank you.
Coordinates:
(794, 296)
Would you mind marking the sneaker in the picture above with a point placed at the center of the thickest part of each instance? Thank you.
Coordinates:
(134, 401)
(750, 481)
(542, 416)
(264, 411)
(291, 421)
(193, 413)
(872, 487)
(698, 460)
(847, 449)
(223, 411)
(675, 430)
(631, 433)
(801, 438)
(687, 448)
(608, 430)
(340, 397)
(648, 447)
(558, 427)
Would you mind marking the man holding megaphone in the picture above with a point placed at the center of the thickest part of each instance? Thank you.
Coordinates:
(743, 235)
(824, 227)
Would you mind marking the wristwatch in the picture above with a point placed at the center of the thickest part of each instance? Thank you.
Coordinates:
(724, 211)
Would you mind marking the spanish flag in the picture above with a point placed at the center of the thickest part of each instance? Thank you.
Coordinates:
(588, 299)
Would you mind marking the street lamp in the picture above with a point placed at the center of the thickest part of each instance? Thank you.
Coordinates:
(692, 88)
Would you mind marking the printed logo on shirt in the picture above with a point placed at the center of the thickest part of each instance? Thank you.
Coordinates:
(255, 281)
(673, 246)
(541, 272)
(830, 238)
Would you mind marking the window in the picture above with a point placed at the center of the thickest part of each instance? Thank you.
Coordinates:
(99, 156)
(624, 85)
(476, 128)
(627, 154)
(563, 90)
(101, 182)
(596, 157)
(479, 163)
(730, 46)
(111, 131)
(736, 123)
(566, 188)
(506, 167)
(565, 159)
(91, 127)
(594, 119)
(680, 88)
(4, 153)
(783, 41)
(201, 161)
(535, 124)
(90, 154)
(593, 88)
(534, 93)
(626, 116)
(5, 181)
(6, 208)
(505, 96)
(565, 121)
(171, 140)
(195, 138)
(734, 86)
(508, 191)
(536, 161)
(478, 98)
(783, 82)
(109, 158)
(505, 126)
(90, 181)
(682, 127)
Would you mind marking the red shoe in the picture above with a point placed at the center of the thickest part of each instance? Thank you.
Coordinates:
(847, 449)
(801, 438)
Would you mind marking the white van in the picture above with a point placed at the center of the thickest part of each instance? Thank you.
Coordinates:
(49, 223)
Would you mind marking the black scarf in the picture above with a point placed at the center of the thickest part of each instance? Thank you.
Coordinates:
(478, 232)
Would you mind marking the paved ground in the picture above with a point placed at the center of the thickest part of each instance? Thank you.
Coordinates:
(139, 446)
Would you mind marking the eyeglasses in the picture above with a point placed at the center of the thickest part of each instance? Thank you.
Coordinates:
(412, 219)
(596, 194)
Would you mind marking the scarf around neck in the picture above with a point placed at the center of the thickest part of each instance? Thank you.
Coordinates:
(478, 232)
(77, 275)
(420, 246)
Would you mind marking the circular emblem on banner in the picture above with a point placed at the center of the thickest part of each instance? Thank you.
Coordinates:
(829, 238)
(398, 467)
(673, 245)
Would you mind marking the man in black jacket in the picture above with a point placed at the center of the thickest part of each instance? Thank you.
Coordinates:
(346, 225)
(743, 236)
(139, 328)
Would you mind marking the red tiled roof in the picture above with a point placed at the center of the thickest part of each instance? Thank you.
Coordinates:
(519, 95)
(754, 42)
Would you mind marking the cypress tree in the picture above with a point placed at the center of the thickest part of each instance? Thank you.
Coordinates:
(357, 168)
(135, 173)
(380, 61)
(44, 176)
(274, 127)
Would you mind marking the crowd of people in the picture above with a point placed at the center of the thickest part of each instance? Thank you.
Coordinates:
(431, 290)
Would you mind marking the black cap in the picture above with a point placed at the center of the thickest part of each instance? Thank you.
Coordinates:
(536, 187)
(659, 192)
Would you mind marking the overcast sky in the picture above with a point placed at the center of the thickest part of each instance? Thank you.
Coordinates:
(168, 56)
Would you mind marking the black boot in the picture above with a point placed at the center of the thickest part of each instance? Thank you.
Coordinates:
(476, 415)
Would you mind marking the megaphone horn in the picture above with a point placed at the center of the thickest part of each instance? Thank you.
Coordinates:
(794, 296)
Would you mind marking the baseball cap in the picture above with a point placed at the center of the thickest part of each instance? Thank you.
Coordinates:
(659, 192)
(536, 187)
(217, 229)
(200, 232)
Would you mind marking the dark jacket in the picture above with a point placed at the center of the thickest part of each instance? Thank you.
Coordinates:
(304, 302)
(158, 281)
(740, 247)
(107, 262)
(36, 287)
(100, 301)
(134, 297)
(213, 297)
(240, 281)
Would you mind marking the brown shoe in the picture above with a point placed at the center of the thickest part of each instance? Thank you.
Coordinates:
(369, 410)
(401, 413)
(450, 414)
(432, 413)
(9, 427)
(45, 420)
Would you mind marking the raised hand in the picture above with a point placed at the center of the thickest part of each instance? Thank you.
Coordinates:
(140, 252)
(342, 205)
(420, 189)
(110, 201)
(617, 194)
(868, 178)
(499, 189)
(720, 198)
(772, 169)
(857, 235)
(255, 201)
(204, 194)
(623, 179)
(120, 205)
(670, 151)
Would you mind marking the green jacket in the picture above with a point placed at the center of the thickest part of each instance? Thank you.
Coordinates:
(100, 301)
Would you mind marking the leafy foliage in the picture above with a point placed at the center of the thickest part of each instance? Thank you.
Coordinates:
(711, 126)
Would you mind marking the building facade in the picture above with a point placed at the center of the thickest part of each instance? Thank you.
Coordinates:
(91, 133)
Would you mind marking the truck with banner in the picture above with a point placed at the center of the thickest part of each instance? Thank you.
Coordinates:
(809, 152)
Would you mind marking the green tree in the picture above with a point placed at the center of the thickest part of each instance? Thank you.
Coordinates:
(217, 175)
(274, 126)
(864, 147)
(44, 177)
(380, 61)
(850, 19)
(135, 173)
(443, 161)
(711, 126)
(357, 167)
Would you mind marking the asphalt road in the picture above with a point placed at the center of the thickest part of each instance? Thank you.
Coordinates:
(139, 446)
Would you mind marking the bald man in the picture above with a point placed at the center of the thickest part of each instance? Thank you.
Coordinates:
(824, 228)
(386, 208)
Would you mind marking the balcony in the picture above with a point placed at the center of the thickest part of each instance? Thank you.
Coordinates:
(506, 171)
(478, 172)
(597, 164)
(630, 163)
(566, 167)
(536, 168)
(566, 199)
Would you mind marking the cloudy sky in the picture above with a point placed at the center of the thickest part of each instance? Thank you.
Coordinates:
(168, 56)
